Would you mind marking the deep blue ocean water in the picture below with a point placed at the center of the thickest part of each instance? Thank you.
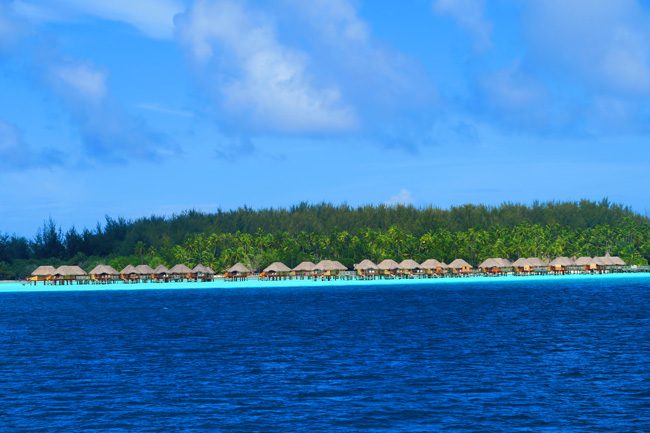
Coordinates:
(557, 356)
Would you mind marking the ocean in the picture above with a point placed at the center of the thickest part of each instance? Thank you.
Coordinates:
(534, 355)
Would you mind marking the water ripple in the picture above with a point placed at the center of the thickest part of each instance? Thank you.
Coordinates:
(537, 358)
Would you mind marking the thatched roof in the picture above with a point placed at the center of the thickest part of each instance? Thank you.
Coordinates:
(505, 263)
(536, 262)
(238, 268)
(144, 270)
(180, 269)
(520, 262)
(330, 265)
(69, 271)
(611, 260)
(409, 265)
(495, 263)
(388, 265)
(201, 269)
(44, 271)
(432, 264)
(615, 260)
(305, 267)
(365, 265)
(128, 270)
(584, 261)
(103, 270)
(277, 267)
(601, 261)
(459, 264)
(160, 270)
(561, 261)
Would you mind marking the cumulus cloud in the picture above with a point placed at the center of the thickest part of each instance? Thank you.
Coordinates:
(380, 81)
(470, 15)
(402, 197)
(256, 79)
(394, 98)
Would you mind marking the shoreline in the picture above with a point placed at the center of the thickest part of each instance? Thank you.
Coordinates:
(20, 287)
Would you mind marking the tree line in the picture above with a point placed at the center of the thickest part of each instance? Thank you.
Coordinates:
(349, 234)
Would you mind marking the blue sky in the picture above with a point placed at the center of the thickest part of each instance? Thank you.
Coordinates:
(133, 108)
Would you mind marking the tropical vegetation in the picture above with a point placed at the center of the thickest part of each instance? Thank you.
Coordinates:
(348, 234)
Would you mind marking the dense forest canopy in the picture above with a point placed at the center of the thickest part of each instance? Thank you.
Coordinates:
(348, 234)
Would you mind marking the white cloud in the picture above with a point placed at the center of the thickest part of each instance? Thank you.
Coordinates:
(379, 80)
(336, 20)
(511, 89)
(626, 64)
(108, 133)
(259, 81)
(81, 80)
(402, 197)
(604, 43)
(154, 18)
(470, 15)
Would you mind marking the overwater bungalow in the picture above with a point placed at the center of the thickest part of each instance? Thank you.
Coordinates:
(530, 264)
(586, 263)
(329, 268)
(611, 261)
(238, 272)
(388, 267)
(495, 265)
(561, 264)
(409, 268)
(522, 266)
(304, 269)
(43, 273)
(538, 264)
(460, 266)
(104, 274)
(601, 263)
(68, 274)
(144, 272)
(276, 270)
(181, 272)
(161, 273)
(366, 268)
(129, 273)
(433, 266)
(203, 273)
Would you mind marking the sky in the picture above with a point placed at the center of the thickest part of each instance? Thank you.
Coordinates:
(134, 108)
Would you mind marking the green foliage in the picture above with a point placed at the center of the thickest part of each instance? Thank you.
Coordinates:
(314, 232)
